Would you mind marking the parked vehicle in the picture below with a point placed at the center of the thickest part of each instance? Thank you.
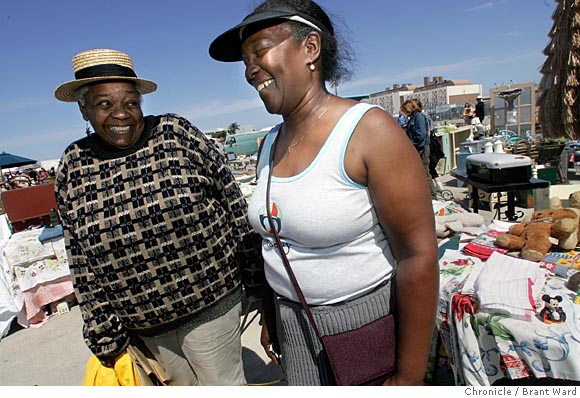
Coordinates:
(573, 150)
(244, 143)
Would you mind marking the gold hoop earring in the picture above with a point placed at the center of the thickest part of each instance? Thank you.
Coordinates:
(312, 67)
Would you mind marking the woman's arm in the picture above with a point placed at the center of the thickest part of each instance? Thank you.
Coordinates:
(211, 164)
(103, 331)
(384, 158)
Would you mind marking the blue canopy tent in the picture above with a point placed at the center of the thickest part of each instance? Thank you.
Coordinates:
(8, 160)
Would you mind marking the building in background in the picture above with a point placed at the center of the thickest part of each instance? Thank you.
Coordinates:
(392, 98)
(443, 99)
(514, 114)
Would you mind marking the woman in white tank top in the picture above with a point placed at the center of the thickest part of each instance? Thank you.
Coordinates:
(348, 195)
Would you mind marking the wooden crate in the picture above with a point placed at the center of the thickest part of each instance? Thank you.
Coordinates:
(524, 148)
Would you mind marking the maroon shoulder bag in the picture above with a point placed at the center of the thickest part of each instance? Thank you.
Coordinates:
(363, 356)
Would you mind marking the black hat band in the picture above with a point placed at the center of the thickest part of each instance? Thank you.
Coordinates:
(104, 70)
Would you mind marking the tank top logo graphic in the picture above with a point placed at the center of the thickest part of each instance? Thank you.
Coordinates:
(276, 218)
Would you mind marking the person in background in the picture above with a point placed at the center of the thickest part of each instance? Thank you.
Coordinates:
(221, 138)
(42, 176)
(467, 114)
(155, 227)
(435, 148)
(430, 124)
(345, 180)
(418, 132)
(21, 181)
(480, 109)
(33, 175)
(402, 119)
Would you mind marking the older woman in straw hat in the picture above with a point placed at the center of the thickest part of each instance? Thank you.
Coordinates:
(155, 229)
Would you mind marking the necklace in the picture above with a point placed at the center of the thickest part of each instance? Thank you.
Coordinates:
(311, 128)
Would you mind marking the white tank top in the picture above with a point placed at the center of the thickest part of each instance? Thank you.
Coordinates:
(326, 222)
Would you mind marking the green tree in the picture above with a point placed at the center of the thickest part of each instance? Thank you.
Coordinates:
(233, 128)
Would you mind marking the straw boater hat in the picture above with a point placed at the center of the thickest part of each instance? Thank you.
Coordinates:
(100, 65)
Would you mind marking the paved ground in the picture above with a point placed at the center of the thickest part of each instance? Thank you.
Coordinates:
(55, 354)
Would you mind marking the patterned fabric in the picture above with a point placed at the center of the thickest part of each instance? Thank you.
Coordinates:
(156, 235)
(43, 294)
(24, 249)
(485, 346)
(49, 269)
(484, 245)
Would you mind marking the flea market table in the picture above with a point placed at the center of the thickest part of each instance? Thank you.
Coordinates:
(491, 187)
(490, 348)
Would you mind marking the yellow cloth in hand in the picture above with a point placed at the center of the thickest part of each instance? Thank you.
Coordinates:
(123, 374)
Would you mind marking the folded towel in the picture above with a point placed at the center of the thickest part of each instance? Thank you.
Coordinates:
(507, 284)
(484, 245)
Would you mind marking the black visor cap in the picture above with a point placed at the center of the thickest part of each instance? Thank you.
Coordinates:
(227, 46)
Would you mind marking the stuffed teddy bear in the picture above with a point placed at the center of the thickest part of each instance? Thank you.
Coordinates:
(573, 204)
(574, 200)
(534, 237)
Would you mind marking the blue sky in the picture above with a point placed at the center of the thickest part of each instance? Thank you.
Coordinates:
(489, 42)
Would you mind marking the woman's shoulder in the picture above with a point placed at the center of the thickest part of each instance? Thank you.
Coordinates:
(375, 123)
(170, 118)
(174, 122)
(365, 109)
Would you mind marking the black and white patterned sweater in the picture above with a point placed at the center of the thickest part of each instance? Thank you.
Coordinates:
(157, 236)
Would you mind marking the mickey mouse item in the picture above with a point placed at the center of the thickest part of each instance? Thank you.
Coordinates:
(552, 312)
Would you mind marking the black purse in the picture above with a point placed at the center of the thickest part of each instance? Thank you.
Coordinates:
(363, 356)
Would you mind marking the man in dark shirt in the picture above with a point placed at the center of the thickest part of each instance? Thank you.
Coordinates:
(479, 109)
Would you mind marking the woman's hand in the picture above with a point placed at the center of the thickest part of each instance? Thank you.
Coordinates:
(396, 381)
(267, 344)
(108, 362)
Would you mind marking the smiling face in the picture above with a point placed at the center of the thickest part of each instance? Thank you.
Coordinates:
(114, 111)
(276, 66)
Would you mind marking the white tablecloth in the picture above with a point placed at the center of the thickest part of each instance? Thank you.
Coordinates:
(34, 274)
(11, 301)
(484, 347)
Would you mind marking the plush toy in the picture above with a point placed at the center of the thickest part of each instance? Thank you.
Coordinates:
(470, 223)
(573, 204)
(535, 237)
(574, 200)
(552, 312)
(574, 282)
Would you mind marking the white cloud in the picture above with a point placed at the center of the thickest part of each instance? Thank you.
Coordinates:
(415, 75)
(209, 109)
(483, 6)
(12, 106)
(39, 137)
(513, 33)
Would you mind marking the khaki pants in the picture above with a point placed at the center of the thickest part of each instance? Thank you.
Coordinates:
(209, 355)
